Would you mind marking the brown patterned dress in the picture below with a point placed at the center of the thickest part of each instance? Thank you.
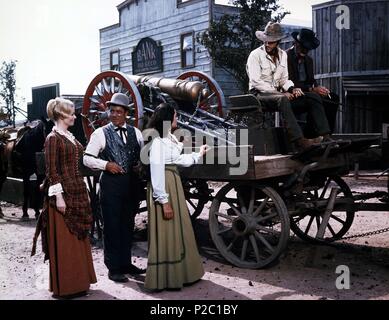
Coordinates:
(71, 265)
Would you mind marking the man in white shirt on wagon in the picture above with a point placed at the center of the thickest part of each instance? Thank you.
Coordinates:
(267, 68)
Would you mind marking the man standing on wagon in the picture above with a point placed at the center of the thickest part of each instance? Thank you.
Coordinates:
(115, 149)
(300, 67)
(267, 68)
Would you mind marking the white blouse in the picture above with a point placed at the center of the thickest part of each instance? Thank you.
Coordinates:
(167, 151)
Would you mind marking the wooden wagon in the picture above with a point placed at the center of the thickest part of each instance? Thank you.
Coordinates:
(251, 215)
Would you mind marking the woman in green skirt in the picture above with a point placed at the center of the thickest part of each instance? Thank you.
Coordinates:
(173, 257)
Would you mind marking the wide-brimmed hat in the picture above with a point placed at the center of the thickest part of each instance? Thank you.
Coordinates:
(307, 38)
(273, 32)
(119, 99)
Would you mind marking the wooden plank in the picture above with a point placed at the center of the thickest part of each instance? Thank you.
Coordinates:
(334, 43)
(260, 167)
(319, 56)
(352, 73)
(381, 24)
(274, 166)
(222, 164)
(358, 25)
(327, 39)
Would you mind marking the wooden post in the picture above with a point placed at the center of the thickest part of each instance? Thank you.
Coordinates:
(327, 213)
(356, 170)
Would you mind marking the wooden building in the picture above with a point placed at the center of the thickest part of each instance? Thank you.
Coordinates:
(158, 37)
(167, 27)
(353, 60)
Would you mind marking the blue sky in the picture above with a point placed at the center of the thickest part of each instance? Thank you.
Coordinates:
(58, 40)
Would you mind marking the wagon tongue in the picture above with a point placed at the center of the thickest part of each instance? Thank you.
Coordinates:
(355, 145)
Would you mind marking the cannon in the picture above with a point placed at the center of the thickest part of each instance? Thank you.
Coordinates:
(199, 101)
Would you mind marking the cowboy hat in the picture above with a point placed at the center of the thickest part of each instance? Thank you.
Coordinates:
(306, 38)
(119, 99)
(273, 32)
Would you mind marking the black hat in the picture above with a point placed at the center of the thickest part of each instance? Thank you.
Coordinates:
(306, 38)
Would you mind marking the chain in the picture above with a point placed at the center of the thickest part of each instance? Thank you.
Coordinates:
(362, 197)
(366, 234)
(370, 233)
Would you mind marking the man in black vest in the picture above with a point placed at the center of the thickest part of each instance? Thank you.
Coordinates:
(300, 68)
(115, 149)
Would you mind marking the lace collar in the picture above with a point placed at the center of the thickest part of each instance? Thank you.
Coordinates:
(67, 134)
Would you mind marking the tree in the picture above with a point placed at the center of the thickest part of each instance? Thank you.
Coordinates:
(231, 39)
(8, 88)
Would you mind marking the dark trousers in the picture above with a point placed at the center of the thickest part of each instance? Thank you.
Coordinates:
(310, 103)
(119, 204)
(331, 107)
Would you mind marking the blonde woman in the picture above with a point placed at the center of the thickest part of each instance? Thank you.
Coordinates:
(68, 209)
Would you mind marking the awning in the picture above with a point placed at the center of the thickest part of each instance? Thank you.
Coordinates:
(370, 84)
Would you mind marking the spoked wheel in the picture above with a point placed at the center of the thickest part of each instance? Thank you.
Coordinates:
(197, 195)
(215, 102)
(249, 225)
(100, 91)
(306, 224)
(98, 222)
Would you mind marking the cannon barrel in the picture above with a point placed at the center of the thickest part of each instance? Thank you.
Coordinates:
(177, 89)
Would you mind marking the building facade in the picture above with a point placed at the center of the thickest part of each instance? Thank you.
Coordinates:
(158, 37)
(353, 60)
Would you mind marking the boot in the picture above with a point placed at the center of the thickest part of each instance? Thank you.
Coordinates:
(327, 138)
(319, 139)
(304, 143)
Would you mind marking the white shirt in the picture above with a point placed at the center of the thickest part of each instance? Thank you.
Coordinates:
(97, 144)
(167, 151)
(264, 74)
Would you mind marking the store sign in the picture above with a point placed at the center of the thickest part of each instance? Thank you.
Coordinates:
(147, 57)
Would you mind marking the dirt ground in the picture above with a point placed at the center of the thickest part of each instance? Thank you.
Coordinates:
(304, 272)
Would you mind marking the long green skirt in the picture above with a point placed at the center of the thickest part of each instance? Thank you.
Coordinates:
(173, 257)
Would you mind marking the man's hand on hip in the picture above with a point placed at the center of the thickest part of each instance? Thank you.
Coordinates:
(297, 92)
(290, 96)
(323, 91)
(114, 168)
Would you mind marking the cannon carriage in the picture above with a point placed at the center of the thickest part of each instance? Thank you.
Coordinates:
(268, 188)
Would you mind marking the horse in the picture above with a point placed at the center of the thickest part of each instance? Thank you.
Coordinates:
(17, 159)
(6, 146)
(31, 139)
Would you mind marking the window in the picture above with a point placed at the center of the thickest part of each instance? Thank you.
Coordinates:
(187, 50)
(115, 60)
(181, 3)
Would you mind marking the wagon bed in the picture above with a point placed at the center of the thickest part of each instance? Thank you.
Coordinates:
(261, 167)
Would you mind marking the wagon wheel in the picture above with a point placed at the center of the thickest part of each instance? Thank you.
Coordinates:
(98, 222)
(249, 226)
(197, 195)
(216, 102)
(100, 90)
(306, 225)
